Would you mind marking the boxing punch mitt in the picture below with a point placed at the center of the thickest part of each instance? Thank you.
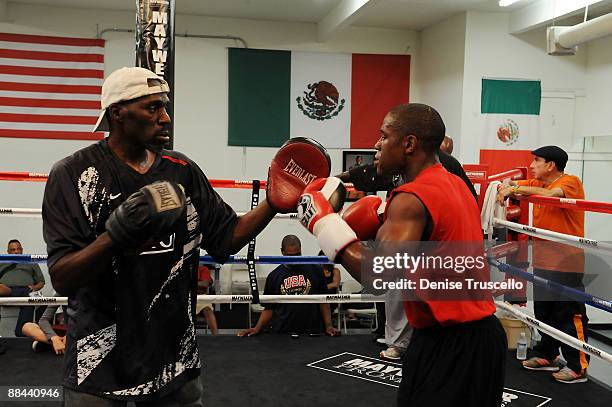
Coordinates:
(296, 164)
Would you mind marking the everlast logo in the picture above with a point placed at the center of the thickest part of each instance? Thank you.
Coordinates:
(165, 196)
(294, 169)
(566, 200)
(529, 229)
(588, 241)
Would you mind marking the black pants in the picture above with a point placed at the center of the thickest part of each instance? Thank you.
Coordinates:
(190, 395)
(460, 365)
(568, 316)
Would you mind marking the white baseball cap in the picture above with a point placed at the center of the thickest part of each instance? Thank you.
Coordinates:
(127, 84)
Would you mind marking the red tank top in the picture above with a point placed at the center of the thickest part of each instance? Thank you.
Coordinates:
(455, 217)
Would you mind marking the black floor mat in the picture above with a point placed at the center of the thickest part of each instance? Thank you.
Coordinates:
(308, 371)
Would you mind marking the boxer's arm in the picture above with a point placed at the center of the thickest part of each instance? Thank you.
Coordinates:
(406, 219)
(79, 268)
(526, 190)
(75, 257)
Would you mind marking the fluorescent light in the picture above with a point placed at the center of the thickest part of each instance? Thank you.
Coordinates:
(506, 3)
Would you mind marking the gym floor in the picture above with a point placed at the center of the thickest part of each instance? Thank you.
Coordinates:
(279, 370)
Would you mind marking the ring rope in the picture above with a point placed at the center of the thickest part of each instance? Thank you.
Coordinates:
(220, 299)
(570, 292)
(42, 258)
(576, 241)
(335, 298)
(37, 213)
(557, 334)
(515, 174)
(576, 204)
(216, 183)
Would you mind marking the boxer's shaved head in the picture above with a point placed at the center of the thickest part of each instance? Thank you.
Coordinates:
(419, 120)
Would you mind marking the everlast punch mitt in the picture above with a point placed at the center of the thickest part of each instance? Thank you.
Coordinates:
(296, 164)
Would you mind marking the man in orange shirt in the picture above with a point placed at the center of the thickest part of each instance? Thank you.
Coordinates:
(558, 262)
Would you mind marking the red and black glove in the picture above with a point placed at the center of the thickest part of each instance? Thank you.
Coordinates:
(296, 164)
(365, 216)
(317, 211)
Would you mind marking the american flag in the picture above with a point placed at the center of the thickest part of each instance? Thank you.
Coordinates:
(50, 86)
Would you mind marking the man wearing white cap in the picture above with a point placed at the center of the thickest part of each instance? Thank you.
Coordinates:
(123, 220)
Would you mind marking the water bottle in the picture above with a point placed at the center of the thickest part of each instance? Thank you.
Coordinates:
(521, 347)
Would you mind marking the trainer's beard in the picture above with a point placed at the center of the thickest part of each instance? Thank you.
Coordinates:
(155, 147)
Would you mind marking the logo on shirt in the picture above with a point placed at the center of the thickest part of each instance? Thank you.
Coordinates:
(164, 246)
(293, 285)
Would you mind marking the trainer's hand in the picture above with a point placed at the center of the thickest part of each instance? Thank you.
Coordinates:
(296, 164)
(331, 331)
(504, 193)
(317, 212)
(365, 216)
(149, 213)
(249, 332)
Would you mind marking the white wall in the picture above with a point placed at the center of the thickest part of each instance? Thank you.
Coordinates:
(441, 66)
(598, 87)
(491, 52)
(201, 100)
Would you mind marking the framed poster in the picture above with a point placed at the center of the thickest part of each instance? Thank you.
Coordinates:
(356, 158)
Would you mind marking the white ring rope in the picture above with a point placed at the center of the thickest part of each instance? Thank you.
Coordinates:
(333, 298)
(557, 334)
(37, 213)
(219, 299)
(576, 241)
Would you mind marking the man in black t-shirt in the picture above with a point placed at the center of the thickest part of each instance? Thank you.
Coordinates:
(123, 220)
(294, 279)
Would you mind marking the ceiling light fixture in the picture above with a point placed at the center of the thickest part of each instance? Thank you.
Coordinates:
(506, 3)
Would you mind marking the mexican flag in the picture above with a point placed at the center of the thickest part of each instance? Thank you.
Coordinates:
(339, 100)
(511, 114)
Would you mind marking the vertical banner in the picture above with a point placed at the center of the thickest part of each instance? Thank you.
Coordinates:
(155, 43)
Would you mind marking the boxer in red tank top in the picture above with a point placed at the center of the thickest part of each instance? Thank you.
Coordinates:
(457, 354)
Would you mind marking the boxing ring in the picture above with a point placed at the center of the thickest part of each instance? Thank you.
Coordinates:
(282, 370)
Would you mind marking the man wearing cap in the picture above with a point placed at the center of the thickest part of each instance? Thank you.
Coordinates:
(123, 220)
(556, 262)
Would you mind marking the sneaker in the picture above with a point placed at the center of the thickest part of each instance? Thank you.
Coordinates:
(536, 363)
(381, 341)
(391, 354)
(567, 375)
(41, 346)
